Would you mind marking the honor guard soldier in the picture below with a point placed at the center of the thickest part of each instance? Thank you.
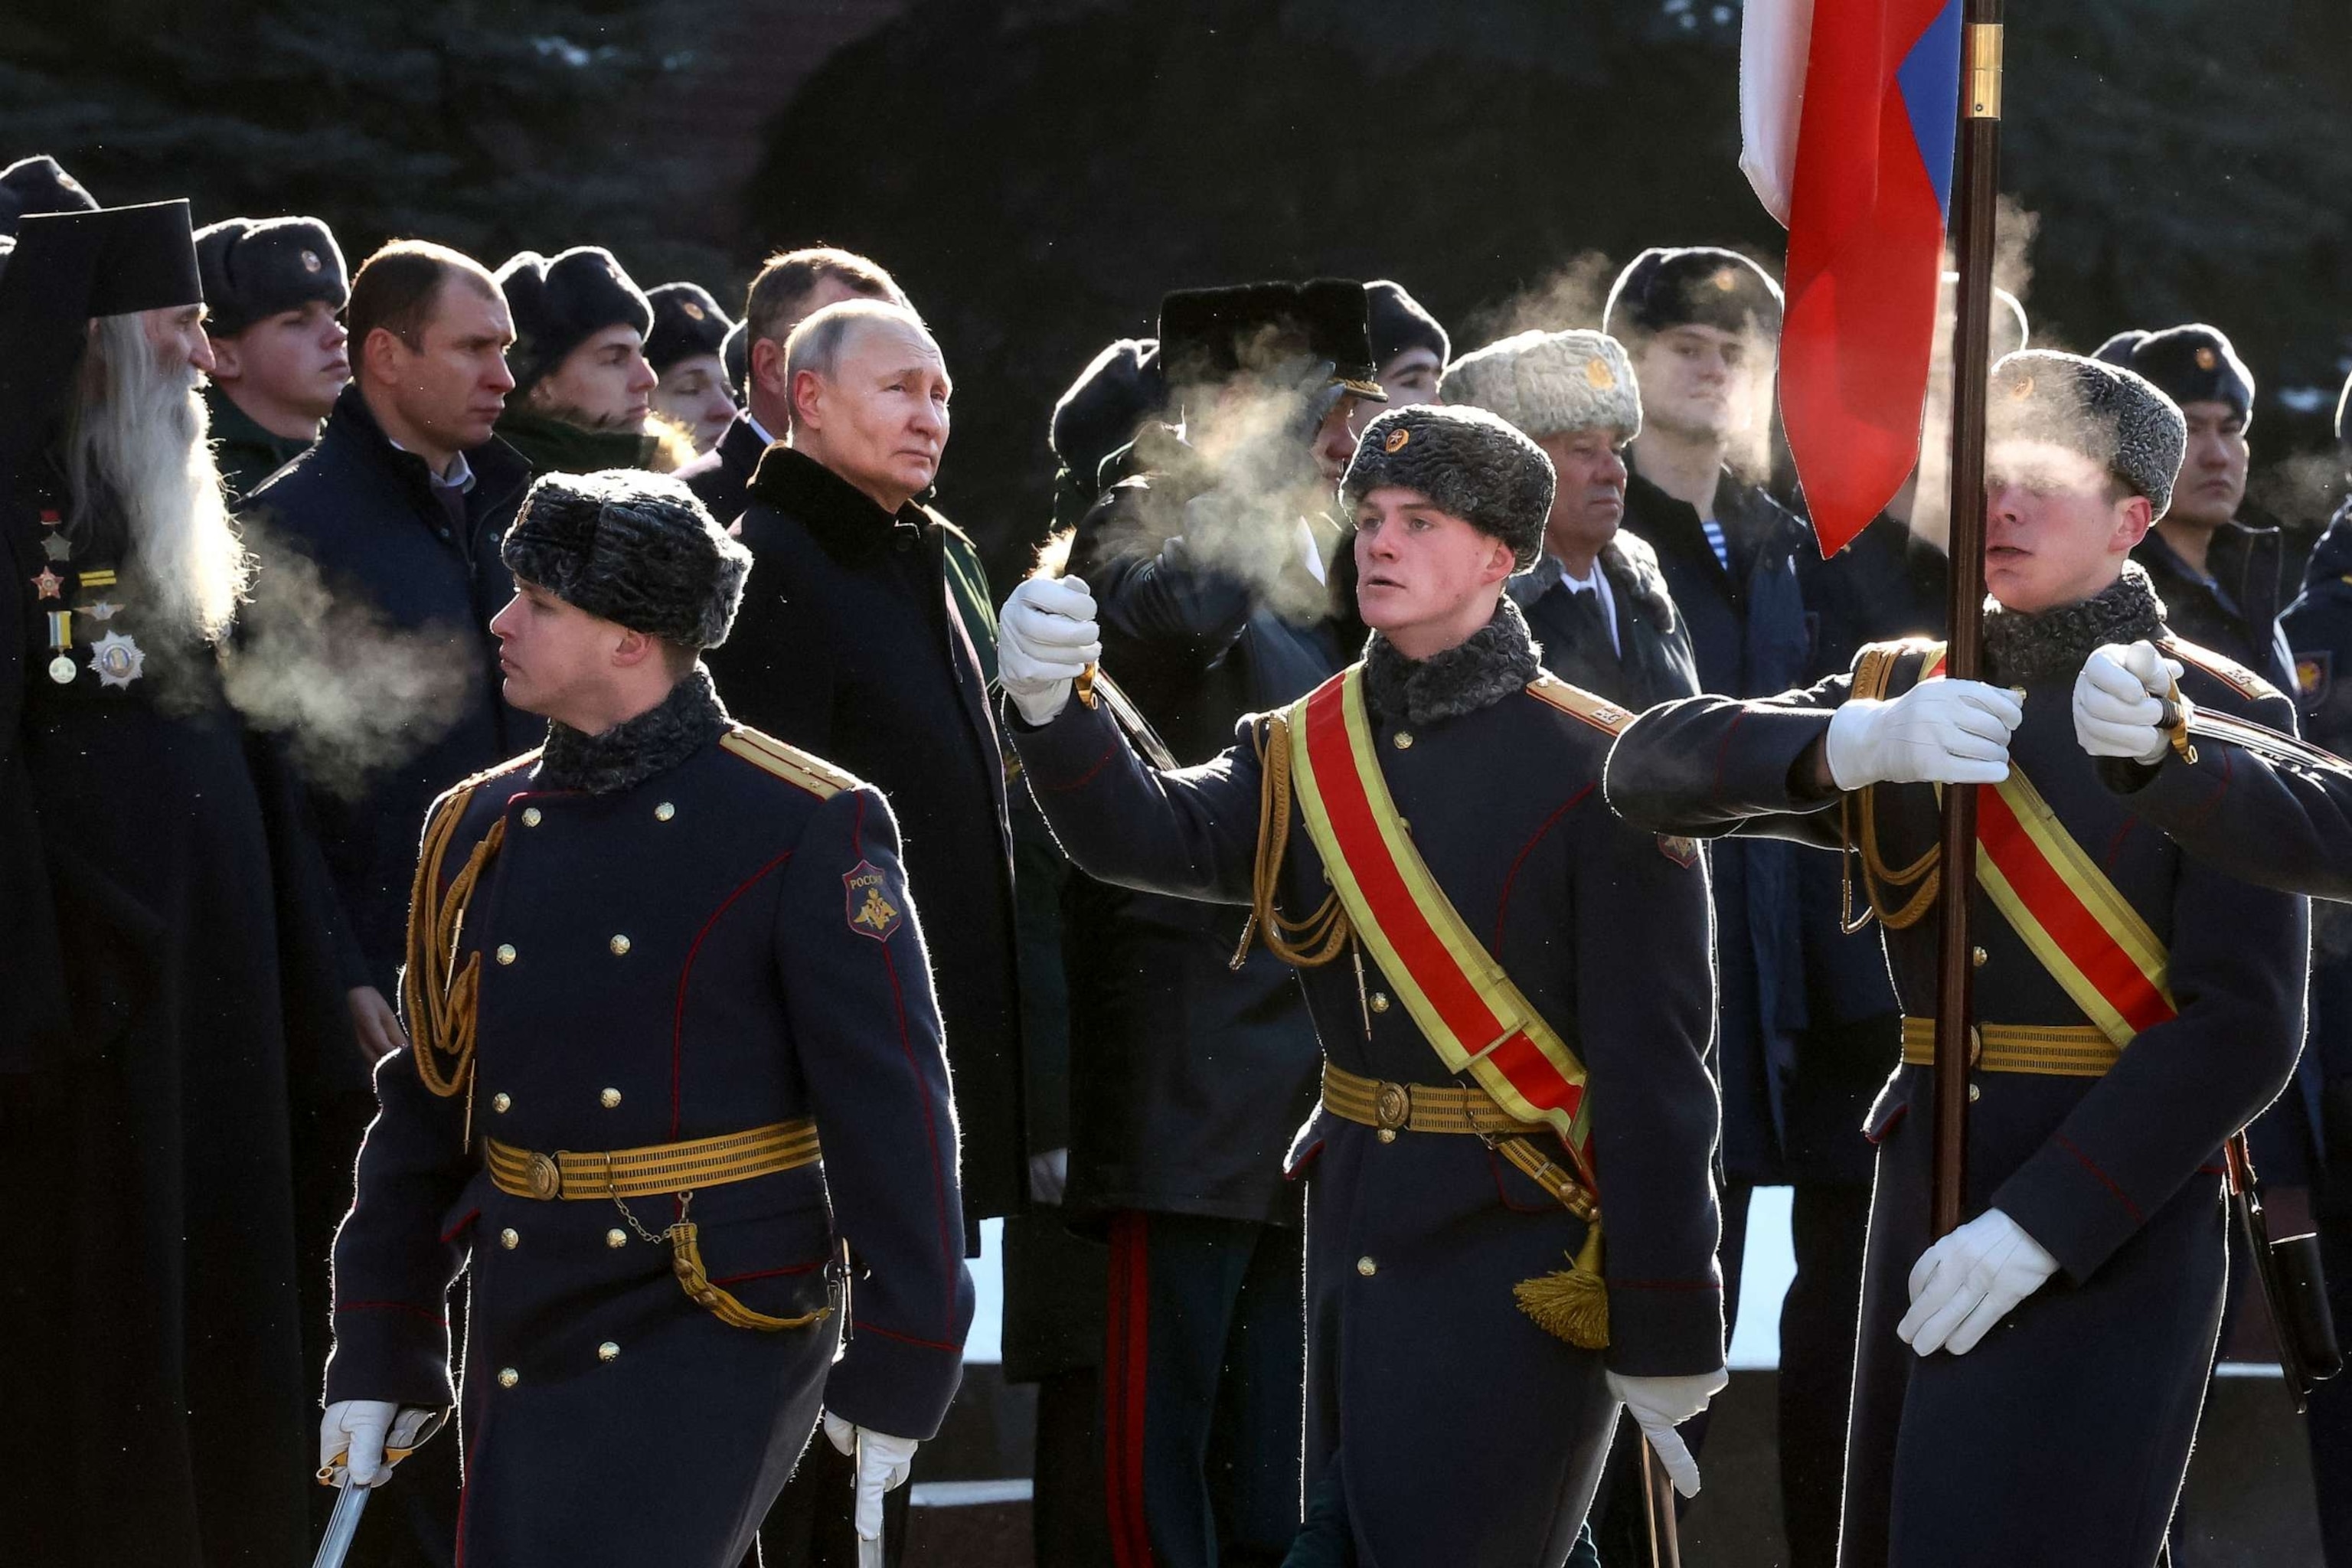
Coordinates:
(274, 290)
(676, 1094)
(2134, 1009)
(1423, 837)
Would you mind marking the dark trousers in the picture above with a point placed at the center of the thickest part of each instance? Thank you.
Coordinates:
(2328, 1422)
(1326, 1539)
(1204, 1360)
(813, 1520)
(1818, 1327)
(1067, 1516)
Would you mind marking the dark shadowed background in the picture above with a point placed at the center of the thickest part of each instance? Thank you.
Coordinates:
(1038, 173)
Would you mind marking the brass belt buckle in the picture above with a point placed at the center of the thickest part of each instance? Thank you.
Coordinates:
(545, 1175)
(1394, 1105)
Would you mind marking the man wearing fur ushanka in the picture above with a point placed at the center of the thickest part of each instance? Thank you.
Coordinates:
(1511, 1230)
(675, 1099)
(2133, 1007)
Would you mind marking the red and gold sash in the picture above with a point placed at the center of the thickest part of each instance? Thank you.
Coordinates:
(1466, 1007)
(2084, 931)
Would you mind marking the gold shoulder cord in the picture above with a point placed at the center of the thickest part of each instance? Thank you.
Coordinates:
(440, 1008)
(1319, 937)
(1869, 680)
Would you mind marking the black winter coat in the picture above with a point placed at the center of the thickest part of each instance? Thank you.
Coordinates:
(1751, 638)
(721, 477)
(1187, 1078)
(1652, 662)
(365, 513)
(2235, 611)
(851, 644)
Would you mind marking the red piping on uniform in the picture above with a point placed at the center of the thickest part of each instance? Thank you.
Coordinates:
(450, 1234)
(2115, 844)
(1083, 778)
(1502, 1194)
(427, 1313)
(677, 1019)
(865, 1328)
(1502, 908)
(1126, 1360)
(948, 1253)
(2130, 1207)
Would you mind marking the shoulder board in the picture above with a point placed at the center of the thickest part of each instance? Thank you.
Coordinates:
(950, 529)
(2220, 665)
(1578, 703)
(794, 766)
(1874, 664)
(458, 796)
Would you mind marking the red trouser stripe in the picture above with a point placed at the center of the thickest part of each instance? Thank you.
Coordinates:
(1124, 1379)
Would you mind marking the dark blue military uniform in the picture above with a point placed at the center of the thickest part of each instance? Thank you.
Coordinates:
(722, 944)
(2063, 1436)
(1461, 1431)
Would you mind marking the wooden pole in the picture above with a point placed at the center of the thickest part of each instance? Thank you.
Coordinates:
(1974, 186)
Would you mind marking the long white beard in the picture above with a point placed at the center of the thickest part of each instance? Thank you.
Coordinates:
(138, 443)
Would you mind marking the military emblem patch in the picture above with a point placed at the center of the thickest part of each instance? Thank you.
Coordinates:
(2206, 358)
(693, 311)
(874, 907)
(1682, 851)
(2313, 675)
(1598, 376)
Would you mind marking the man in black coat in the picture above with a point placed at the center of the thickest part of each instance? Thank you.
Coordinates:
(792, 286)
(1458, 1409)
(1596, 602)
(165, 939)
(274, 295)
(740, 1160)
(2134, 1007)
(1208, 558)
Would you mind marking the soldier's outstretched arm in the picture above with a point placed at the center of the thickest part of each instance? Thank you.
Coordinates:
(857, 992)
(2260, 819)
(1644, 1014)
(1708, 766)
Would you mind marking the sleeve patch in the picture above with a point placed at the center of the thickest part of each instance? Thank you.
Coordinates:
(1682, 851)
(871, 905)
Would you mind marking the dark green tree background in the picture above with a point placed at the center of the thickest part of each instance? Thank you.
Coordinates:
(1039, 173)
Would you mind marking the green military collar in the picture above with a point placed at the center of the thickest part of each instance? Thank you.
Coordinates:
(559, 447)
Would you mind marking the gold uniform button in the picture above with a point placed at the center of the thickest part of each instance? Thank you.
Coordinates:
(617, 1237)
(1978, 957)
(1367, 1268)
(608, 1350)
(1380, 1001)
(509, 1240)
(609, 1098)
(509, 1377)
(1403, 741)
(506, 953)
(1386, 1135)
(620, 946)
(502, 1103)
(663, 812)
(1975, 1094)
(530, 817)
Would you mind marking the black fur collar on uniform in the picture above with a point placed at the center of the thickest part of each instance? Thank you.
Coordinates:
(2021, 649)
(1498, 660)
(634, 749)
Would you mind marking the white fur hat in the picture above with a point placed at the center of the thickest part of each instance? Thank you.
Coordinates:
(1548, 383)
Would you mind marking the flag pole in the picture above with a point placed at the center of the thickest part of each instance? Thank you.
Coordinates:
(1974, 194)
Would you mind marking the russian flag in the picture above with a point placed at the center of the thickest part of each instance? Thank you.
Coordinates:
(1849, 111)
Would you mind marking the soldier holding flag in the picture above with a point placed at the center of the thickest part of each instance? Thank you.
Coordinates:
(1422, 836)
(2135, 1008)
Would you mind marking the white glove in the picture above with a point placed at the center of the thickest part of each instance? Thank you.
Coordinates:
(1939, 732)
(355, 1433)
(1049, 1176)
(1659, 1405)
(1044, 640)
(882, 1464)
(2117, 701)
(1969, 1280)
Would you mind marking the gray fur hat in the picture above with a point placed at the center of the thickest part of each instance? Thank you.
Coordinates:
(1467, 462)
(633, 547)
(1548, 383)
(2110, 415)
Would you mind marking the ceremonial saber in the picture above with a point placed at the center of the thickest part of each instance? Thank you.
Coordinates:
(1658, 1510)
(1974, 207)
(343, 1525)
(869, 1551)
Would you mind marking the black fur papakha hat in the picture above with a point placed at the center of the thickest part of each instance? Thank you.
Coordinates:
(1699, 285)
(256, 267)
(1398, 322)
(2112, 416)
(1468, 462)
(36, 185)
(560, 302)
(686, 321)
(632, 547)
(2195, 363)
